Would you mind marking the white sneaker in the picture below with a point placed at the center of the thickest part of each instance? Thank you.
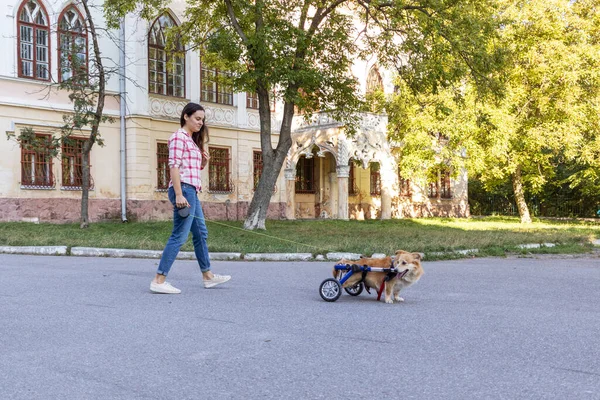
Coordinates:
(216, 280)
(164, 288)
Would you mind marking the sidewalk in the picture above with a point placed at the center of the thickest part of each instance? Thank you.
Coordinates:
(188, 255)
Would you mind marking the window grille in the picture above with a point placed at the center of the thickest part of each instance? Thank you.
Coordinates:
(72, 164)
(219, 171)
(163, 172)
(258, 167)
(36, 164)
(432, 190)
(305, 175)
(352, 188)
(375, 179)
(404, 185)
(445, 190)
(440, 186)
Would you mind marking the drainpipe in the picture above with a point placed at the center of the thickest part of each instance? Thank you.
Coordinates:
(122, 111)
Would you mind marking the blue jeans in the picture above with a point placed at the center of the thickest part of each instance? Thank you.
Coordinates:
(181, 229)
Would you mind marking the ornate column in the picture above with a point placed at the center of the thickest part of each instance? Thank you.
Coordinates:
(290, 193)
(343, 172)
(387, 182)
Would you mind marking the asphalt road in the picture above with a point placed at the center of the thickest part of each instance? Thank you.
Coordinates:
(88, 328)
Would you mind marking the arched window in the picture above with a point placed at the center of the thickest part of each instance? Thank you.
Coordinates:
(34, 41)
(374, 81)
(166, 71)
(72, 44)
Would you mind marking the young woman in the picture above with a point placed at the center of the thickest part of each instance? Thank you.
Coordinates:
(186, 158)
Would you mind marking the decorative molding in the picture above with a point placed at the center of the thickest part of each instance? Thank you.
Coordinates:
(253, 119)
(373, 122)
(316, 120)
(216, 115)
(343, 171)
(367, 147)
(166, 107)
(368, 122)
(290, 174)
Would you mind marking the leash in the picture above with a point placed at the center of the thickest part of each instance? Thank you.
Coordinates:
(263, 234)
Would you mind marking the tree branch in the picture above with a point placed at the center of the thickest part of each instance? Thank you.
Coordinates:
(320, 15)
(235, 23)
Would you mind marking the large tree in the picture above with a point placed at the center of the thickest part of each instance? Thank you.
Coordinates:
(547, 114)
(303, 50)
(552, 90)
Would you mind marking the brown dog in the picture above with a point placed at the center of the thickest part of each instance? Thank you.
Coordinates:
(402, 261)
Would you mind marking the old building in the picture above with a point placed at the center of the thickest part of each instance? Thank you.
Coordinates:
(327, 174)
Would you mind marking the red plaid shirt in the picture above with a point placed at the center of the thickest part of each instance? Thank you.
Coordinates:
(185, 155)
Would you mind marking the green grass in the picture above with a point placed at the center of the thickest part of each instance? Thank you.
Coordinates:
(493, 236)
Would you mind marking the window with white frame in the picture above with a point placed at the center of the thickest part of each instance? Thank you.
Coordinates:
(33, 41)
(212, 89)
(72, 44)
(166, 70)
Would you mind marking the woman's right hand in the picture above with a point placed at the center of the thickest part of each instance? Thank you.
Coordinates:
(181, 201)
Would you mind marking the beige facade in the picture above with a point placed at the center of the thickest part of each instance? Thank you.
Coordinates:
(340, 184)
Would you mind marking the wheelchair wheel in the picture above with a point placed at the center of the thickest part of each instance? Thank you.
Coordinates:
(330, 289)
(355, 290)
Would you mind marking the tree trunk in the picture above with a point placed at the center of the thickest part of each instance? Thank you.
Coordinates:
(85, 189)
(96, 119)
(272, 161)
(520, 196)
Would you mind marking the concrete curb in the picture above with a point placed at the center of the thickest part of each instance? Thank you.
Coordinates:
(277, 257)
(225, 256)
(35, 250)
(535, 245)
(117, 253)
(131, 253)
(339, 256)
(189, 255)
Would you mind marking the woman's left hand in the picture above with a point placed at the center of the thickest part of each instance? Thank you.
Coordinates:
(205, 158)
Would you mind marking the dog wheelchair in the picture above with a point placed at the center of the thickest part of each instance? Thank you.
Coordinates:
(331, 288)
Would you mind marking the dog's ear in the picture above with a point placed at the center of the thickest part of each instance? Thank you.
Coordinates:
(399, 252)
(419, 256)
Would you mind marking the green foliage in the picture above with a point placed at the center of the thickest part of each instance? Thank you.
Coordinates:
(28, 140)
(547, 114)
(83, 92)
(431, 129)
(434, 44)
(551, 92)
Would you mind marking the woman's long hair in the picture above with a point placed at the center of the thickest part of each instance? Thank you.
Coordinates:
(201, 136)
